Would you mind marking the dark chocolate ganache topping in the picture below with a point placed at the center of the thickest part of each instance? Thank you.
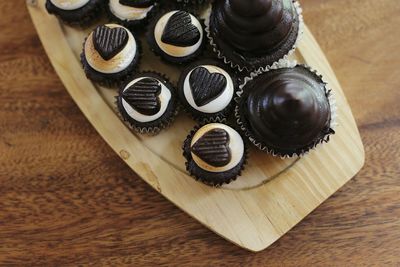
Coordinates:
(287, 109)
(255, 27)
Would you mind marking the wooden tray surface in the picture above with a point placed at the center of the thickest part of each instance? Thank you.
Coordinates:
(271, 196)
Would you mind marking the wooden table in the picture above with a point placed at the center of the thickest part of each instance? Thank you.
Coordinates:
(67, 199)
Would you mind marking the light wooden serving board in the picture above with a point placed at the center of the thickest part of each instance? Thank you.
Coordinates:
(273, 194)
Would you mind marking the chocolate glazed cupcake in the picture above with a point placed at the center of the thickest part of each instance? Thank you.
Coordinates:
(286, 111)
(254, 34)
(76, 12)
(215, 154)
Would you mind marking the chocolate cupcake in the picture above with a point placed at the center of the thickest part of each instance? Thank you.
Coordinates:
(76, 12)
(286, 111)
(176, 36)
(192, 2)
(206, 90)
(215, 154)
(254, 34)
(147, 102)
(133, 14)
(110, 54)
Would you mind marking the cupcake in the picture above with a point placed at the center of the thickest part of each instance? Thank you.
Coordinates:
(133, 14)
(254, 34)
(192, 2)
(110, 54)
(75, 12)
(177, 36)
(206, 90)
(286, 111)
(147, 102)
(215, 154)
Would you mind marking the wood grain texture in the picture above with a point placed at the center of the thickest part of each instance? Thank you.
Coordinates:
(249, 212)
(64, 195)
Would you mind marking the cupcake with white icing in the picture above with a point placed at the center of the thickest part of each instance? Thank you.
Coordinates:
(215, 154)
(147, 102)
(110, 54)
(176, 36)
(133, 14)
(206, 90)
(76, 12)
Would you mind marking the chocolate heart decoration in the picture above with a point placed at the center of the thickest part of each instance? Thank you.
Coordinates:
(213, 148)
(137, 3)
(108, 42)
(143, 96)
(206, 86)
(180, 31)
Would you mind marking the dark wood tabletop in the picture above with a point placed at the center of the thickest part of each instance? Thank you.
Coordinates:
(67, 199)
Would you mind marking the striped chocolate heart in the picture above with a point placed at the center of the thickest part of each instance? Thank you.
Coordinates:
(108, 42)
(143, 96)
(206, 86)
(213, 148)
(180, 31)
(137, 3)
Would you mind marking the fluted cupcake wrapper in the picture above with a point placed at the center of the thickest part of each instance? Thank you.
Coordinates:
(197, 173)
(194, 2)
(328, 92)
(195, 6)
(220, 54)
(153, 128)
(220, 117)
(82, 17)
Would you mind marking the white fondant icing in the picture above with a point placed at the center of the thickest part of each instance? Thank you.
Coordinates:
(118, 63)
(236, 145)
(165, 97)
(176, 51)
(69, 4)
(127, 12)
(217, 104)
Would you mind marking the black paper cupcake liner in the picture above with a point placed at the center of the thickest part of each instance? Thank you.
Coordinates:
(82, 17)
(246, 130)
(195, 6)
(192, 2)
(211, 178)
(154, 127)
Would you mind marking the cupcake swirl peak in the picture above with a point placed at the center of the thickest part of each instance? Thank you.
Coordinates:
(254, 26)
(251, 8)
